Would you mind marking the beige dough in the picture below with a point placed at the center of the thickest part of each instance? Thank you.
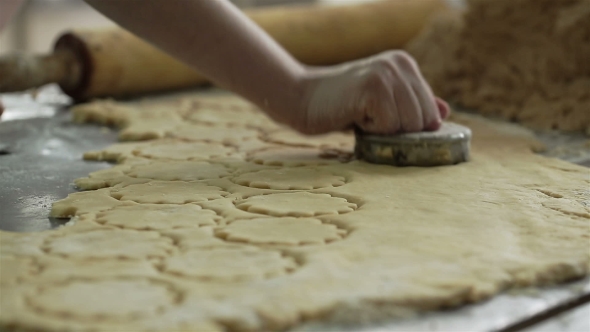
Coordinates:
(228, 264)
(84, 202)
(178, 171)
(282, 231)
(343, 141)
(290, 179)
(108, 178)
(157, 216)
(168, 192)
(213, 134)
(105, 112)
(149, 129)
(232, 118)
(110, 243)
(300, 204)
(180, 253)
(145, 298)
(177, 150)
(291, 157)
(115, 152)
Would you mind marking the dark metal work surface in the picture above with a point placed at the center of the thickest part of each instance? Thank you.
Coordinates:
(40, 155)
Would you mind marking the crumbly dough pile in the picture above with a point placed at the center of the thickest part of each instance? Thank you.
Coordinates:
(253, 227)
(522, 60)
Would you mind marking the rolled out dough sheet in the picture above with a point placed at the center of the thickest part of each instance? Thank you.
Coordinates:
(199, 235)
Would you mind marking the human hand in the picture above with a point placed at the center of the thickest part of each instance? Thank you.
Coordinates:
(383, 94)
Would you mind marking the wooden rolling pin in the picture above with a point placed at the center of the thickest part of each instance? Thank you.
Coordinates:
(112, 62)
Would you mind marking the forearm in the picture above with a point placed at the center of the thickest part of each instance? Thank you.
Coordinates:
(219, 41)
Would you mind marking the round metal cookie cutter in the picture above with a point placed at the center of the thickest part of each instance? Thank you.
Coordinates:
(449, 145)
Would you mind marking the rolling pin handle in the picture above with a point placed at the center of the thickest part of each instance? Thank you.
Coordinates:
(20, 72)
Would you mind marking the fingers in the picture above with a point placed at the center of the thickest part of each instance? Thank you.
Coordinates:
(409, 107)
(402, 99)
(427, 106)
(443, 108)
(384, 94)
(378, 109)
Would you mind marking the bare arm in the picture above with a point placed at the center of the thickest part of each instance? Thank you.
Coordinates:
(382, 94)
(219, 41)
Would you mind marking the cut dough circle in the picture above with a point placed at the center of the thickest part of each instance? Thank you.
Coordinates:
(290, 179)
(157, 216)
(231, 117)
(110, 243)
(335, 140)
(110, 299)
(213, 134)
(179, 171)
(168, 192)
(177, 150)
(229, 264)
(291, 157)
(281, 231)
(298, 204)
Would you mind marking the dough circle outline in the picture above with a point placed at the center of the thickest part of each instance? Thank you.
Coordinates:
(296, 204)
(291, 178)
(101, 298)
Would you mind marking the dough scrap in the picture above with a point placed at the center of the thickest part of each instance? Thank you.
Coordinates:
(177, 150)
(298, 204)
(107, 178)
(106, 112)
(179, 171)
(116, 152)
(290, 179)
(143, 298)
(148, 129)
(110, 243)
(291, 157)
(281, 231)
(157, 216)
(84, 202)
(228, 264)
(168, 192)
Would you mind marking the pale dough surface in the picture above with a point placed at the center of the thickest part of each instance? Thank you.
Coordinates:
(264, 233)
(328, 141)
(214, 133)
(286, 231)
(178, 171)
(290, 179)
(300, 204)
